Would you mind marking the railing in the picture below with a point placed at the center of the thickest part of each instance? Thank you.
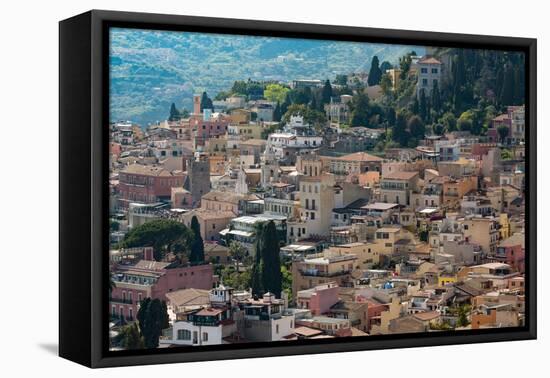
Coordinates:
(120, 300)
(317, 273)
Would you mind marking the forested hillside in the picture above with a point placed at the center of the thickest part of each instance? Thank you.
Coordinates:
(152, 69)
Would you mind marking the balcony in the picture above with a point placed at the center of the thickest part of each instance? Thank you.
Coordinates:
(121, 300)
(318, 273)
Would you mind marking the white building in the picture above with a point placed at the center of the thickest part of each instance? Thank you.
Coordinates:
(429, 74)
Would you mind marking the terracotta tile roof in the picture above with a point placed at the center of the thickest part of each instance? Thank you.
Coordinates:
(188, 297)
(429, 60)
(210, 312)
(428, 315)
(400, 175)
(307, 332)
(230, 197)
(359, 156)
(149, 170)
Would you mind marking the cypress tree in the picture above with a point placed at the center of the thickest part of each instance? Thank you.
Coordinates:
(256, 274)
(423, 108)
(197, 245)
(360, 110)
(436, 98)
(277, 112)
(458, 80)
(507, 92)
(326, 94)
(518, 94)
(271, 264)
(415, 106)
(151, 317)
(399, 130)
(206, 102)
(391, 116)
(416, 127)
(174, 113)
(375, 73)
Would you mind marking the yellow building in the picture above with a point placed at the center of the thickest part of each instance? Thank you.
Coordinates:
(446, 278)
(368, 254)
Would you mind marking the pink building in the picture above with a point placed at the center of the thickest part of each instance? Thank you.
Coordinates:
(153, 279)
(318, 299)
(512, 252)
(208, 126)
(147, 183)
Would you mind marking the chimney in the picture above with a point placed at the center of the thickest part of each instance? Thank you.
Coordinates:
(197, 104)
(148, 253)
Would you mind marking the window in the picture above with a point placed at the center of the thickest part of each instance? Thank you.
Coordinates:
(312, 215)
(424, 70)
(277, 329)
(425, 82)
(205, 336)
(434, 70)
(184, 334)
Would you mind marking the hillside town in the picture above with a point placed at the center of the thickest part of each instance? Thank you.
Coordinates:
(371, 203)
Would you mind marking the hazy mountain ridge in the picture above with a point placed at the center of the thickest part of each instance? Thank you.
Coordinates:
(152, 69)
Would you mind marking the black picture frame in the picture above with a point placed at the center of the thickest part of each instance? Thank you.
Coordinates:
(83, 196)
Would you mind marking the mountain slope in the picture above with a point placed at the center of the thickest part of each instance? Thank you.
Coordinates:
(151, 69)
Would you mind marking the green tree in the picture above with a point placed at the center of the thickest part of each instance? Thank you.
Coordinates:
(385, 66)
(507, 92)
(341, 80)
(237, 253)
(390, 116)
(436, 98)
(131, 337)
(206, 102)
(415, 106)
(386, 85)
(502, 131)
(152, 319)
(326, 93)
(312, 117)
(197, 245)
(256, 282)
(399, 130)
(360, 109)
(375, 73)
(438, 129)
(286, 275)
(405, 65)
(463, 312)
(423, 106)
(271, 264)
(275, 92)
(466, 121)
(174, 113)
(161, 234)
(449, 121)
(277, 113)
(416, 127)
(459, 78)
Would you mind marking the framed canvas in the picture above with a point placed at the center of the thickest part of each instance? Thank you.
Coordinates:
(236, 188)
